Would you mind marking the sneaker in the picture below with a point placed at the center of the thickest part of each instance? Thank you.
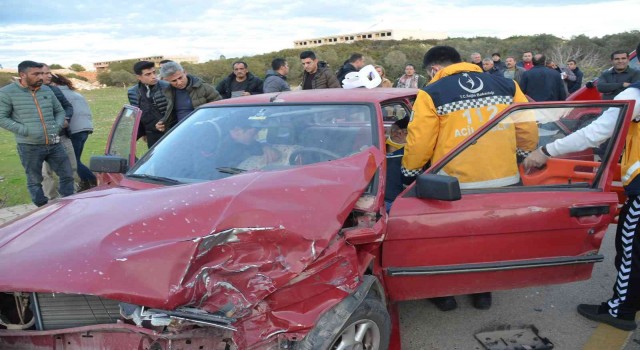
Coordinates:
(445, 303)
(591, 312)
(481, 301)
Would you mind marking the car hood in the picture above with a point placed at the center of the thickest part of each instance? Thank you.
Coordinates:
(220, 246)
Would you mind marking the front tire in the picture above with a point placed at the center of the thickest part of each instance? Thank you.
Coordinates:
(367, 328)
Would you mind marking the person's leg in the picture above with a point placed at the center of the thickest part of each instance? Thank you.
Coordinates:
(620, 310)
(59, 162)
(626, 291)
(31, 157)
(49, 182)
(78, 140)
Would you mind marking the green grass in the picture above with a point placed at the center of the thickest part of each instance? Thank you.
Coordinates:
(105, 105)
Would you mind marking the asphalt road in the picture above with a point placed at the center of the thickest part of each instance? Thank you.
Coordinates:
(550, 309)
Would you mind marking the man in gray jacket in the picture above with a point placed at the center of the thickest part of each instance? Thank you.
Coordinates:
(185, 93)
(276, 79)
(33, 113)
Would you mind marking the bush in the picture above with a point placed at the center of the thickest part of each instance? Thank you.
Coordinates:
(77, 68)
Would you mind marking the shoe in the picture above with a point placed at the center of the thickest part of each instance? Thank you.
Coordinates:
(592, 312)
(481, 301)
(445, 303)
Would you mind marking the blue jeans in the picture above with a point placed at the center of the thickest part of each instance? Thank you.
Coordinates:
(32, 157)
(78, 139)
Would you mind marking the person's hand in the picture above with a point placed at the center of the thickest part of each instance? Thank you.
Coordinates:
(160, 126)
(246, 93)
(535, 159)
(65, 124)
(271, 155)
(626, 85)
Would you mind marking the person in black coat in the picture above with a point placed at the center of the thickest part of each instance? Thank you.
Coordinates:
(541, 83)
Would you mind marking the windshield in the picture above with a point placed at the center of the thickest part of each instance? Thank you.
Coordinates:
(218, 142)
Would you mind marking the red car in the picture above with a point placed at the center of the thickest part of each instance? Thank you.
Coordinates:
(259, 222)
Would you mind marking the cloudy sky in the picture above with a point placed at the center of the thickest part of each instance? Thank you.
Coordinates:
(67, 32)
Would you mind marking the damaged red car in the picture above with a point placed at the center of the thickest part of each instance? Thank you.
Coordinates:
(260, 223)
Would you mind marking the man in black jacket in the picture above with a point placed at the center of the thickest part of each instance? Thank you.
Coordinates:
(541, 83)
(573, 86)
(353, 64)
(240, 83)
(617, 78)
(148, 95)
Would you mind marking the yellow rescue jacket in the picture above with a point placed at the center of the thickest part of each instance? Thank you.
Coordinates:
(630, 163)
(458, 101)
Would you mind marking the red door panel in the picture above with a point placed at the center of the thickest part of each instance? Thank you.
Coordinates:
(524, 234)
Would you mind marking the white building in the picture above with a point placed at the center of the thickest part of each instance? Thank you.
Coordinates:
(379, 34)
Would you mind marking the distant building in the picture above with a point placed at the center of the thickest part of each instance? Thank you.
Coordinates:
(380, 34)
(103, 66)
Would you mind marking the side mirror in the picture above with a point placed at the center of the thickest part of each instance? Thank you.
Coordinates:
(444, 188)
(108, 164)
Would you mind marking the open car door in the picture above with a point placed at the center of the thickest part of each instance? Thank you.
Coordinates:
(544, 227)
(120, 153)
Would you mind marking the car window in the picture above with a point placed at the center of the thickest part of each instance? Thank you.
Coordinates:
(222, 141)
(121, 138)
(493, 160)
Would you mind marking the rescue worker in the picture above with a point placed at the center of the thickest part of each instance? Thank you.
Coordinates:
(458, 100)
(620, 310)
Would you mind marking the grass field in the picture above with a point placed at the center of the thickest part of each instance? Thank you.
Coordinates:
(105, 105)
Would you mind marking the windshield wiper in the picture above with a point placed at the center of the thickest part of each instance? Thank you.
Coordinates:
(230, 170)
(163, 179)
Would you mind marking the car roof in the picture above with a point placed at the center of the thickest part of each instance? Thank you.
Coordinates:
(376, 95)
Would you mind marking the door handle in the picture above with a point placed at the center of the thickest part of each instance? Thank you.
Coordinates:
(589, 210)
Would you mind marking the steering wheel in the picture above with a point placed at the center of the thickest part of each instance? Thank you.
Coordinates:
(297, 158)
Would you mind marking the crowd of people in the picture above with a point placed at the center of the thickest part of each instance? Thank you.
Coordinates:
(51, 123)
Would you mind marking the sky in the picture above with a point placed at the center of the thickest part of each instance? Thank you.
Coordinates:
(67, 32)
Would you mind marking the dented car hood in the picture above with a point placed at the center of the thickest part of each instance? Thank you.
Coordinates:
(220, 246)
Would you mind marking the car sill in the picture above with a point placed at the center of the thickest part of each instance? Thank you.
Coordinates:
(487, 267)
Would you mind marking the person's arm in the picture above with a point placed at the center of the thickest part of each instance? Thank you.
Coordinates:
(562, 91)
(570, 75)
(211, 94)
(332, 81)
(66, 105)
(591, 135)
(578, 82)
(524, 82)
(604, 86)
(423, 134)
(132, 95)
(221, 88)
(59, 114)
(526, 127)
(8, 123)
(256, 87)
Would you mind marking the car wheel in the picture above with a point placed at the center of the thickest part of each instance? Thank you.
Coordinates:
(368, 328)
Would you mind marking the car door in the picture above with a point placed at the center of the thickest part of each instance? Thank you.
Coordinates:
(545, 228)
(121, 142)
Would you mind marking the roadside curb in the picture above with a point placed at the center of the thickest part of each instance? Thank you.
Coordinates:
(10, 213)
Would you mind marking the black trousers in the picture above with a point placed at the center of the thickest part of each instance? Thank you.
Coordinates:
(626, 291)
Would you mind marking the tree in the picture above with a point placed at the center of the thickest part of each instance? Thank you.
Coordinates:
(55, 66)
(123, 78)
(105, 78)
(77, 68)
(126, 65)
